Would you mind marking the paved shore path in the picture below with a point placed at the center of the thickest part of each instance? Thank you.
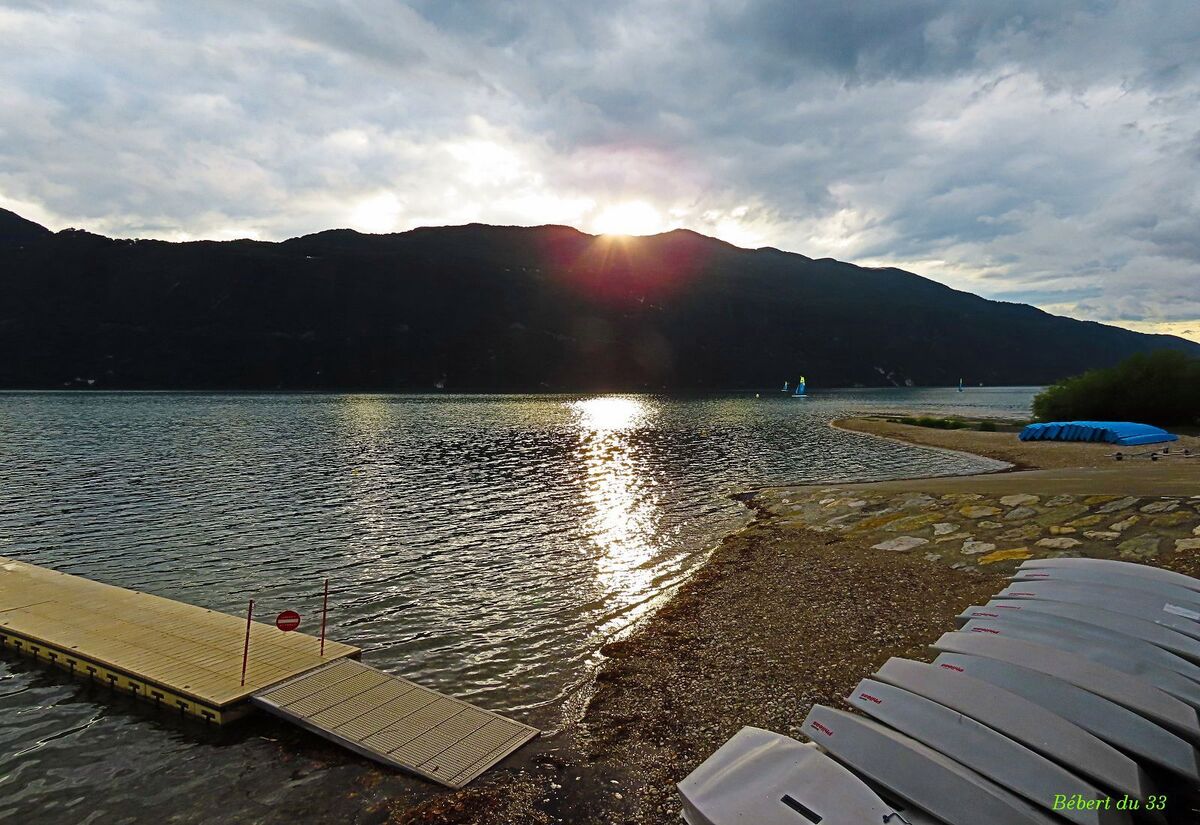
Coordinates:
(1133, 509)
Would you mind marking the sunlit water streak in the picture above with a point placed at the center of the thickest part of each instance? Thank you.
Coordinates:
(482, 545)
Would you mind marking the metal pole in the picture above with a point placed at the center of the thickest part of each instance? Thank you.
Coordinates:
(246, 649)
(324, 613)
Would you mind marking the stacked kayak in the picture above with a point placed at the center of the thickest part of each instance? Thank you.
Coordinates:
(1121, 433)
(1076, 687)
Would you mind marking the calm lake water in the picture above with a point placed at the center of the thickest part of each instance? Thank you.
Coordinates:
(485, 546)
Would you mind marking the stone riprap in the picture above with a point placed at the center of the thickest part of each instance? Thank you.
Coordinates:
(966, 530)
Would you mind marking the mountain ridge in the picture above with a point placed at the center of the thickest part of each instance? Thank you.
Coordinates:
(493, 308)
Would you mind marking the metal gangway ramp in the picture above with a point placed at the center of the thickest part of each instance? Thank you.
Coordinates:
(395, 722)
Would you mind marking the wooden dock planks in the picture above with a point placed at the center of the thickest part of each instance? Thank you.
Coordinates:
(147, 644)
(396, 722)
(189, 658)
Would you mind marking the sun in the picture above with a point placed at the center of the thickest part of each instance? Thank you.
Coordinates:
(628, 218)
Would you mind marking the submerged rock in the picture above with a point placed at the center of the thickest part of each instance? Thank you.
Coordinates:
(1187, 544)
(972, 547)
(1101, 535)
(944, 527)
(1118, 505)
(1020, 514)
(1017, 499)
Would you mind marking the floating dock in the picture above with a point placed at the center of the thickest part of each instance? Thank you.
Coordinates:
(189, 660)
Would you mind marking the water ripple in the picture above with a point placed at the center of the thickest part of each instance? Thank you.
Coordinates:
(485, 546)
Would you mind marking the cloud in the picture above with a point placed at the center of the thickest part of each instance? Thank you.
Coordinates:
(1028, 151)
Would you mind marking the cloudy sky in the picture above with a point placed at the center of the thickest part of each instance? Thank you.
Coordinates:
(1046, 152)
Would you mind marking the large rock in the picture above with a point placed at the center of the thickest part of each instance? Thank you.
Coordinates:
(944, 528)
(1015, 554)
(914, 522)
(972, 547)
(900, 545)
(1140, 547)
(1164, 506)
(1027, 532)
(1101, 535)
(1187, 544)
(1017, 499)
(1118, 505)
(1020, 514)
(1172, 519)
(1125, 523)
(978, 510)
(912, 501)
(1059, 543)
(1060, 515)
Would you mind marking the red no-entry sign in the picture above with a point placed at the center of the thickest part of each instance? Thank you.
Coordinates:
(287, 620)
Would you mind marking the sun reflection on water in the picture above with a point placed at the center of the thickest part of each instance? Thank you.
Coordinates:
(622, 503)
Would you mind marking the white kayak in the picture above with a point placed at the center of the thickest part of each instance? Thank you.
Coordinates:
(1101, 651)
(918, 774)
(1107, 720)
(1022, 720)
(1159, 636)
(1127, 644)
(1129, 691)
(771, 779)
(1087, 575)
(983, 749)
(1137, 603)
(1124, 568)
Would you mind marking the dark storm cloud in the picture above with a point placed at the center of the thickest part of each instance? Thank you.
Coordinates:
(1047, 152)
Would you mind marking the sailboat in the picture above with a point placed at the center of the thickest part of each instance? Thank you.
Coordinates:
(785, 386)
(799, 392)
(960, 385)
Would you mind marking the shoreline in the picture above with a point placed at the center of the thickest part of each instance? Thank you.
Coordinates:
(807, 599)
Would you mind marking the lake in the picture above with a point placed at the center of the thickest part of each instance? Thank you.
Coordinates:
(485, 546)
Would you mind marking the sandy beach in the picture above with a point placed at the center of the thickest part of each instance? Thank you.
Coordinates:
(826, 584)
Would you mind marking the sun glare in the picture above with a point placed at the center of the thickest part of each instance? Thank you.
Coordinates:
(629, 218)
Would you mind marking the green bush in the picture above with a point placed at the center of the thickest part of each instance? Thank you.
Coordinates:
(1160, 387)
(986, 427)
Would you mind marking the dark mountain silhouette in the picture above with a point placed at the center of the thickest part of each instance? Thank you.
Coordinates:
(15, 230)
(504, 308)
